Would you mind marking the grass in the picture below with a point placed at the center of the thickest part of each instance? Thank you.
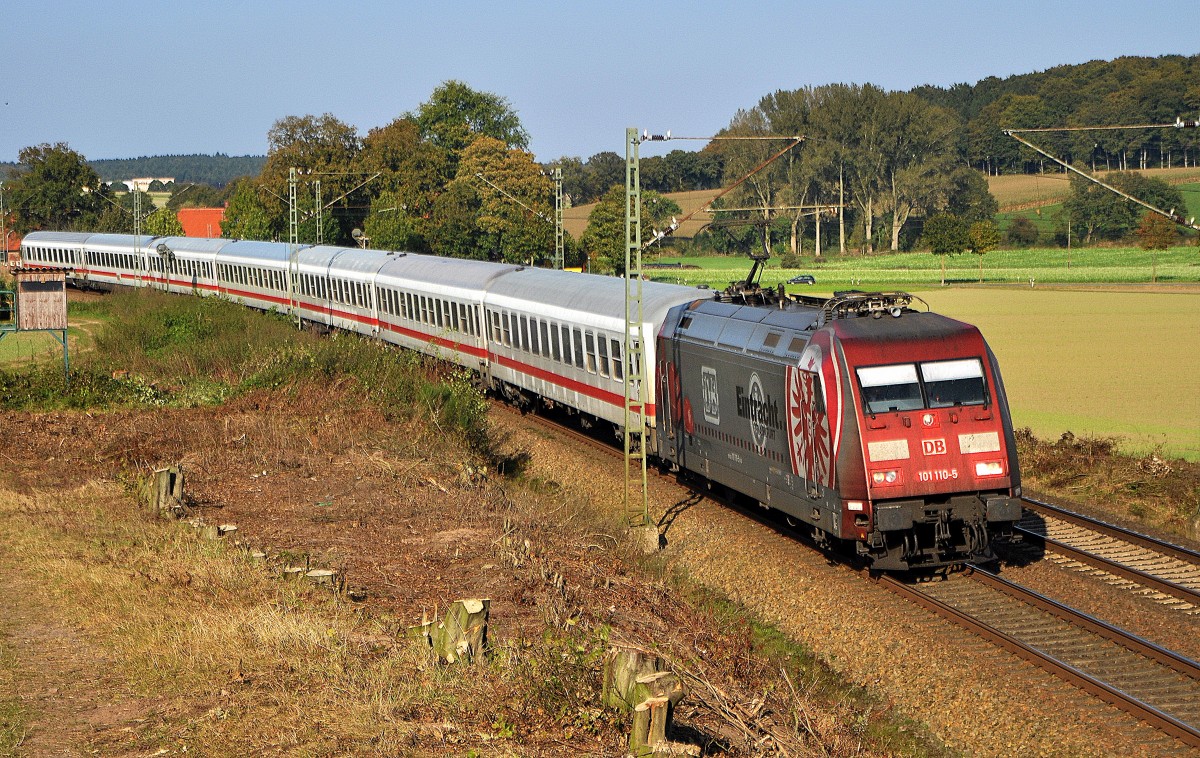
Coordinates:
(237, 660)
(1123, 265)
(164, 350)
(12, 712)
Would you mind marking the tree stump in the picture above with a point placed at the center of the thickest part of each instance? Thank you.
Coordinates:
(463, 634)
(623, 664)
(166, 492)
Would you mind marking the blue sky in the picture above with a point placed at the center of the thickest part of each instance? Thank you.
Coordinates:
(121, 79)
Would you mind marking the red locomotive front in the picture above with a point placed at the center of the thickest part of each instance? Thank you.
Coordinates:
(935, 468)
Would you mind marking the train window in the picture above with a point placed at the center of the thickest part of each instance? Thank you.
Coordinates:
(475, 319)
(524, 333)
(464, 318)
(555, 342)
(771, 340)
(544, 338)
(618, 364)
(590, 352)
(890, 388)
(602, 344)
(797, 345)
(950, 383)
(507, 329)
(577, 346)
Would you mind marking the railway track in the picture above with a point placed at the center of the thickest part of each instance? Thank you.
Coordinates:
(1154, 684)
(1164, 572)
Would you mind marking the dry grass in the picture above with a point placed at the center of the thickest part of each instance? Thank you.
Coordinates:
(1150, 489)
(232, 658)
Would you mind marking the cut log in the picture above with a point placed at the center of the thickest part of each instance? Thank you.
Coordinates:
(463, 633)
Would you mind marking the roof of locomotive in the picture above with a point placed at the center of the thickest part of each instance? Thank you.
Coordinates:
(911, 325)
(603, 296)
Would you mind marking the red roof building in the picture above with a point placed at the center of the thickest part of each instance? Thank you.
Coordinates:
(201, 222)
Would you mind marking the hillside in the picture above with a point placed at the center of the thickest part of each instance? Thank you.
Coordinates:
(1014, 192)
(217, 170)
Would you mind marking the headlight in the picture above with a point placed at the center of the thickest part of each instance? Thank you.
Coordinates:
(879, 478)
(989, 468)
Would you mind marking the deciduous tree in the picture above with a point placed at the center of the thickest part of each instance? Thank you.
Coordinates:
(455, 115)
(54, 188)
(604, 240)
(983, 237)
(946, 235)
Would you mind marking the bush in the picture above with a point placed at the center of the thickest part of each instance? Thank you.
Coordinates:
(1022, 232)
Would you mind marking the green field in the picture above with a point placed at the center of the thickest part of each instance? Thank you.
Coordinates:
(1105, 265)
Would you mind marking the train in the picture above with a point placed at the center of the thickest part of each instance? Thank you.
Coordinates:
(865, 419)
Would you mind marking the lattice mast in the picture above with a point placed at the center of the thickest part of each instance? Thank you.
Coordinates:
(637, 497)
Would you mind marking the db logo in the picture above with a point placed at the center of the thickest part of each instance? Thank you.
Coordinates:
(933, 447)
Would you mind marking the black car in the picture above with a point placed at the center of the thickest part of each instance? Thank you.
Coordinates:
(803, 279)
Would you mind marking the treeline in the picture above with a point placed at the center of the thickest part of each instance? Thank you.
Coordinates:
(216, 170)
(677, 171)
(1125, 91)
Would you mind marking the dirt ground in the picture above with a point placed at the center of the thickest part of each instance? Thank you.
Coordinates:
(315, 480)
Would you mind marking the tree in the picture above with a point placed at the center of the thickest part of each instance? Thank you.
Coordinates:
(321, 148)
(983, 237)
(919, 159)
(1104, 213)
(1155, 233)
(455, 115)
(514, 199)
(197, 196)
(411, 171)
(454, 233)
(606, 170)
(246, 217)
(163, 223)
(946, 235)
(55, 189)
(604, 240)
(390, 226)
(970, 198)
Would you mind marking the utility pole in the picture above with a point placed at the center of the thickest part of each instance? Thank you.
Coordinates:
(3, 224)
(558, 219)
(293, 243)
(320, 224)
(636, 423)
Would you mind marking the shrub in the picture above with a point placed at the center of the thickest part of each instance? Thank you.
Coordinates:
(1022, 232)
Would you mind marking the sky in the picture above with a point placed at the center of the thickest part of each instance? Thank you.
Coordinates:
(121, 79)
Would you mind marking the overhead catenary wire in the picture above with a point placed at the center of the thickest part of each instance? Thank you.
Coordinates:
(707, 207)
(1178, 124)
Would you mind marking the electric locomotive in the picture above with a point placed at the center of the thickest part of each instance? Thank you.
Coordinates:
(870, 422)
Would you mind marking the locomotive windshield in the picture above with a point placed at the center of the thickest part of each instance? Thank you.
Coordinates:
(950, 383)
(911, 387)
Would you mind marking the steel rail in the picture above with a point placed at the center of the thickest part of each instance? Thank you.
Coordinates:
(1166, 723)
(1112, 530)
(1143, 578)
